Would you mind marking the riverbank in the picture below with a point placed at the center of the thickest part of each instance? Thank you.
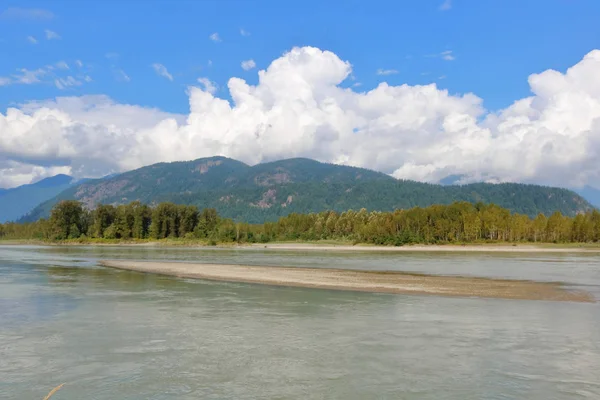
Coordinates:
(326, 246)
(492, 248)
(364, 281)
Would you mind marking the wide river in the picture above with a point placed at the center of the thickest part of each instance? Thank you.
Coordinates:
(112, 334)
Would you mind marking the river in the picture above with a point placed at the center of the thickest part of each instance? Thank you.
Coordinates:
(110, 334)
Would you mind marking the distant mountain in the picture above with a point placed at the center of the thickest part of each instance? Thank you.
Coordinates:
(267, 191)
(16, 202)
(451, 180)
(590, 194)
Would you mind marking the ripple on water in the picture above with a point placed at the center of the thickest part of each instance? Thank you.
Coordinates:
(120, 335)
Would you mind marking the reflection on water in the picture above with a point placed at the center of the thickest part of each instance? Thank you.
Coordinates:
(123, 335)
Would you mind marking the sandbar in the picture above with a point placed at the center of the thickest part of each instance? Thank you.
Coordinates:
(360, 280)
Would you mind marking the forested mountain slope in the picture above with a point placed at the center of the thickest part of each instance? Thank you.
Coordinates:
(267, 191)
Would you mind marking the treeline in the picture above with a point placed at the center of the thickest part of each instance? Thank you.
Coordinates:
(459, 222)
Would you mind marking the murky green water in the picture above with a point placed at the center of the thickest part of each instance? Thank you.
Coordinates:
(122, 335)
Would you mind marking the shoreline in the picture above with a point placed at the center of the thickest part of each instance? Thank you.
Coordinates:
(328, 246)
(486, 248)
(360, 280)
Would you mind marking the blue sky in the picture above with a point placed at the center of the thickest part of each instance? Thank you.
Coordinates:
(496, 43)
(494, 90)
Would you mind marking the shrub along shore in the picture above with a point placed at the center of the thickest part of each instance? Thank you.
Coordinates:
(457, 223)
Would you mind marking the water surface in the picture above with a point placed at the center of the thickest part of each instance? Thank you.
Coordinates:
(113, 334)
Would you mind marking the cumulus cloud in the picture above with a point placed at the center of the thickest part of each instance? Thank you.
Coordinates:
(161, 70)
(32, 40)
(299, 108)
(385, 72)
(247, 65)
(51, 35)
(26, 14)
(215, 37)
(14, 173)
(209, 86)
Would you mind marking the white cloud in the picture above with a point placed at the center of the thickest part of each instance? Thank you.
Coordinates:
(28, 77)
(384, 72)
(215, 37)
(14, 173)
(97, 109)
(26, 13)
(63, 83)
(244, 32)
(50, 74)
(79, 63)
(87, 78)
(120, 75)
(161, 70)
(299, 108)
(62, 65)
(32, 40)
(51, 35)
(447, 55)
(446, 5)
(247, 65)
(209, 86)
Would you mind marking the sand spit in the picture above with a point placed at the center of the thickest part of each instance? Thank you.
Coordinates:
(364, 281)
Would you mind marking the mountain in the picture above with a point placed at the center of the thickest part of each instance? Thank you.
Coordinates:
(451, 180)
(16, 202)
(267, 191)
(590, 194)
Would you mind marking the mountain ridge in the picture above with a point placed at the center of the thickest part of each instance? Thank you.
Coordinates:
(270, 190)
(17, 202)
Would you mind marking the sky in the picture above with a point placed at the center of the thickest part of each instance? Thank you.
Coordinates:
(495, 91)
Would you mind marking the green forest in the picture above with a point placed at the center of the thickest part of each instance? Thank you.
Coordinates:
(460, 222)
